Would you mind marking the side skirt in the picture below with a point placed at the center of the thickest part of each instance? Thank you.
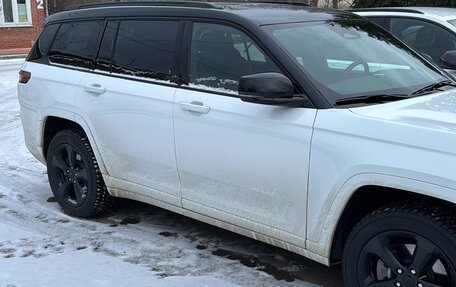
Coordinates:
(117, 192)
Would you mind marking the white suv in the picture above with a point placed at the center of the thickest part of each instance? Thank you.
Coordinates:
(314, 131)
(429, 30)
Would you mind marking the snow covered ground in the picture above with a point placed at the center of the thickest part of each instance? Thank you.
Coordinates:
(133, 245)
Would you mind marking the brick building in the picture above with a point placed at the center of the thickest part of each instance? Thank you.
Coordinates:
(20, 23)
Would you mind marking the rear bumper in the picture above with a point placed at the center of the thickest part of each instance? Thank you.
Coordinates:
(36, 151)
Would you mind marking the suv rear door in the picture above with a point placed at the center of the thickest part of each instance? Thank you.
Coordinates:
(128, 103)
(239, 162)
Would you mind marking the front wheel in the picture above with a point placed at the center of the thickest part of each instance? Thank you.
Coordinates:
(402, 245)
(74, 175)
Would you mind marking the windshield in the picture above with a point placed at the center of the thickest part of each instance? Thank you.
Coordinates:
(347, 58)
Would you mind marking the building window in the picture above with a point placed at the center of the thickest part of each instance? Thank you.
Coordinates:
(15, 12)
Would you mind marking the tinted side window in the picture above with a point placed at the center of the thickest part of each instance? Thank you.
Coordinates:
(221, 55)
(75, 44)
(43, 43)
(145, 48)
(429, 39)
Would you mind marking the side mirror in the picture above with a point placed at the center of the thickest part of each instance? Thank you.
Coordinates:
(270, 89)
(448, 60)
(265, 85)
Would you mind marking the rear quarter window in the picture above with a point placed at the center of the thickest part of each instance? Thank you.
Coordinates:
(43, 43)
(75, 44)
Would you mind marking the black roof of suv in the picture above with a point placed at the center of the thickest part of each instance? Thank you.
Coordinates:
(260, 13)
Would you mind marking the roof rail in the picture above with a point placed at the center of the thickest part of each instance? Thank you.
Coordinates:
(181, 3)
(386, 9)
(177, 3)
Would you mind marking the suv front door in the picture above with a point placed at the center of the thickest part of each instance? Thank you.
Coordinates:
(242, 163)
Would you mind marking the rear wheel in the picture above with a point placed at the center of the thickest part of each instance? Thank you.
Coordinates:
(74, 176)
(402, 245)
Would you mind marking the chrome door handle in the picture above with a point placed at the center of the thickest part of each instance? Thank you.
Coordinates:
(195, 106)
(95, 89)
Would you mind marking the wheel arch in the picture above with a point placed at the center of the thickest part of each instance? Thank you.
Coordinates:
(54, 124)
(366, 199)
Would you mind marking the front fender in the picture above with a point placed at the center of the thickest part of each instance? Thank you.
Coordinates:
(322, 230)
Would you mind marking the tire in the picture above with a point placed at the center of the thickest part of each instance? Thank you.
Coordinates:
(74, 175)
(407, 244)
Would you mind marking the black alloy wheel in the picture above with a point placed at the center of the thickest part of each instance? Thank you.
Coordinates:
(74, 175)
(404, 245)
(67, 165)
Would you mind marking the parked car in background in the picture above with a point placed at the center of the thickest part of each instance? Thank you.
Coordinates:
(429, 30)
(312, 130)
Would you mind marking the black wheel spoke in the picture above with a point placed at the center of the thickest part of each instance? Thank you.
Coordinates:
(71, 152)
(384, 283)
(82, 174)
(78, 192)
(63, 189)
(423, 255)
(382, 250)
(60, 163)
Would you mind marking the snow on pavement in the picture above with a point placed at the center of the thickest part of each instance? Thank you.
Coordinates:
(133, 245)
(86, 268)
